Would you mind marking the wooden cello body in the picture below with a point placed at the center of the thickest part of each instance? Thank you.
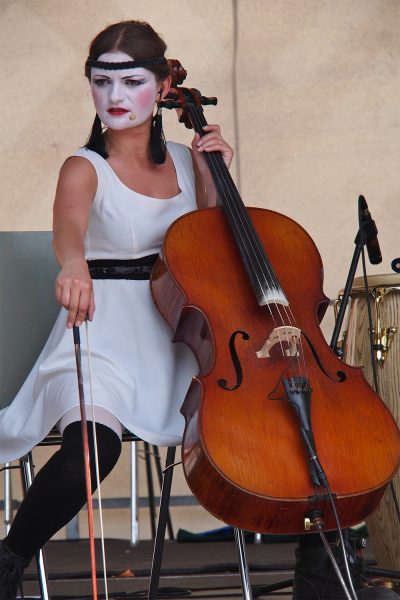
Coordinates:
(278, 429)
(242, 453)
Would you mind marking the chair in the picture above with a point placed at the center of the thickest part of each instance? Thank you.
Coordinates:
(28, 310)
(27, 304)
(27, 313)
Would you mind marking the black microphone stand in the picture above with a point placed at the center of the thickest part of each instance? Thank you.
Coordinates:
(360, 241)
(345, 298)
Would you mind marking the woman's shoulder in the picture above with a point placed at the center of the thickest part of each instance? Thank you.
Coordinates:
(80, 169)
(76, 171)
(89, 155)
(85, 162)
(82, 160)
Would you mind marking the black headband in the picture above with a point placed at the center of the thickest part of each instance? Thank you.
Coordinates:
(129, 64)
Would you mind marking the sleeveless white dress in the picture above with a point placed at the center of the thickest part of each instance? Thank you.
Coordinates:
(137, 374)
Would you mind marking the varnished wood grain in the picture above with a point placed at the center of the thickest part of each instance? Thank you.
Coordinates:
(242, 451)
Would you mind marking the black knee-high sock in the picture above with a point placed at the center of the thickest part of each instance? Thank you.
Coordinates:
(313, 540)
(58, 491)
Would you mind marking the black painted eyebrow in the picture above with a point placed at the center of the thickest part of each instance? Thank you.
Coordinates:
(126, 76)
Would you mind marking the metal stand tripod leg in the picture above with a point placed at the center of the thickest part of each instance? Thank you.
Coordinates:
(162, 523)
(27, 478)
(157, 461)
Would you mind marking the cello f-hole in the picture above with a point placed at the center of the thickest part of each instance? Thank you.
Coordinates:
(235, 361)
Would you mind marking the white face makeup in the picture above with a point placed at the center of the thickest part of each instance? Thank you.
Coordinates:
(119, 94)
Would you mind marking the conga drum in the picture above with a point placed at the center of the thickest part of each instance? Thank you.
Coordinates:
(384, 298)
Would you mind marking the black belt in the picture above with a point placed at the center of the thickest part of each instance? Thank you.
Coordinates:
(138, 268)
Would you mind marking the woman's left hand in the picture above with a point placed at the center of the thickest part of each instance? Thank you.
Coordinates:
(213, 141)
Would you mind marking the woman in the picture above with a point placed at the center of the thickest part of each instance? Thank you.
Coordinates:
(114, 201)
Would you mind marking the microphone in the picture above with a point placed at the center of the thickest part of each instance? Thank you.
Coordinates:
(395, 264)
(369, 232)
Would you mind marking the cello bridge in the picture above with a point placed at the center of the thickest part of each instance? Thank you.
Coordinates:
(287, 337)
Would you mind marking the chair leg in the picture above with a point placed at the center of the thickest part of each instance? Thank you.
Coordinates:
(243, 566)
(150, 489)
(27, 478)
(8, 499)
(134, 496)
(162, 522)
(157, 461)
(42, 572)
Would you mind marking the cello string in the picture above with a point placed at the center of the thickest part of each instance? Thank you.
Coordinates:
(226, 193)
(252, 240)
(231, 194)
(236, 203)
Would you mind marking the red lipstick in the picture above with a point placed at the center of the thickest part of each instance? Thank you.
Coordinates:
(117, 111)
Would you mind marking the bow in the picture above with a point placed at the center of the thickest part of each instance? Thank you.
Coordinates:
(86, 458)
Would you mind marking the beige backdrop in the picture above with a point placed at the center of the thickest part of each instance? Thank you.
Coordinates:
(311, 103)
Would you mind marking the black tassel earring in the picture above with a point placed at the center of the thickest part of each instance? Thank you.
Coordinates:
(95, 141)
(158, 147)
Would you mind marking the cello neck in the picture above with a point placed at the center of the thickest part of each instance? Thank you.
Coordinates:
(258, 267)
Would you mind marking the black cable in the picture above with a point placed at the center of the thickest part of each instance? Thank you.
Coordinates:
(346, 563)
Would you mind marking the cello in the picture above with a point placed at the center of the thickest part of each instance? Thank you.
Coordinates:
(280, 435)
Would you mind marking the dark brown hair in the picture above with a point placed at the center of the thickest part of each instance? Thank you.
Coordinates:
(139, 40)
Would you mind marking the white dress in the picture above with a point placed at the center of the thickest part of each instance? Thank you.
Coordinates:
(137, 373)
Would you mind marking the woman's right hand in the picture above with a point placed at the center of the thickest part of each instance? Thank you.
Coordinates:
(74, 291)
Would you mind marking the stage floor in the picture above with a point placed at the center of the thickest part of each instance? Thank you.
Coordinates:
(189, 570)
(196, 570)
